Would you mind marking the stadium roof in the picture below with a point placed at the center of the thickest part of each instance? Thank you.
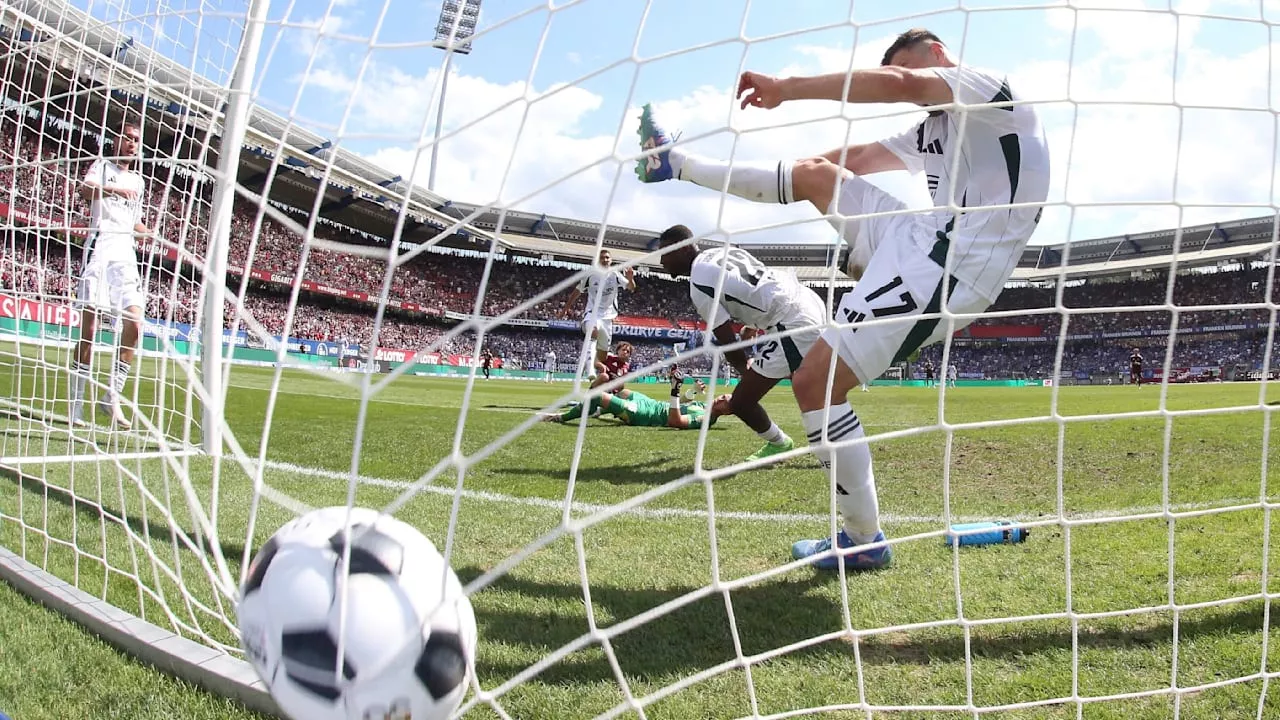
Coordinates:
(1247, 239)
(362, 195)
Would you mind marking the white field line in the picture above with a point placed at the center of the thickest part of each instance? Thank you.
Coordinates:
(583, 508)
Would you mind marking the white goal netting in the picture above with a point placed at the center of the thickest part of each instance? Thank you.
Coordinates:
(393, 266)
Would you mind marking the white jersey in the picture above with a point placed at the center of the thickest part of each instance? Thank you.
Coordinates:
(602, 294)
(951, 372)
(551, 361)
(1003, 160)
(112, 218)
(754, 294)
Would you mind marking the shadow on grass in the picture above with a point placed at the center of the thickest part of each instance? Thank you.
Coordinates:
(32, 428)
(645, 472)
(91, 512)
(769, 615)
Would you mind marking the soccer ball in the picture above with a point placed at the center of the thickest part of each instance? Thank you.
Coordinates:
(410, 632)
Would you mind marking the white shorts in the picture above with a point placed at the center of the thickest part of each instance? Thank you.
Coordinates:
(859, 196)
(779, 356)
(112, 285)
(880, 318)
(604, 331)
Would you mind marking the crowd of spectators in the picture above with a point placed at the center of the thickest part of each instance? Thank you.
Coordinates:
(39, 166)
(1103, 358)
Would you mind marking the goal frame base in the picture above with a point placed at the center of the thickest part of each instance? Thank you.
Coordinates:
(193, 662)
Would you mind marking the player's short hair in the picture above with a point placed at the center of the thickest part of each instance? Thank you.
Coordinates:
(908, 39)
(674, 235)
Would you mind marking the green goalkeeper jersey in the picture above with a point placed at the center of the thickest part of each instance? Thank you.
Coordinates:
(697, 412)
(644, 411)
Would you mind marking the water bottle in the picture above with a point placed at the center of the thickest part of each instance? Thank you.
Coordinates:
(998, 532)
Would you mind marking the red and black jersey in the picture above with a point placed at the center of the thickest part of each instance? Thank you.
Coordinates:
(615, 365)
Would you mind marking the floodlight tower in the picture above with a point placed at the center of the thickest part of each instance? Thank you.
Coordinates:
(454, 29)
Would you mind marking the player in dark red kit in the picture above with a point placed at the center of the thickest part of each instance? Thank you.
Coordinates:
(1135, 367)
(615, 364)
(486, 363)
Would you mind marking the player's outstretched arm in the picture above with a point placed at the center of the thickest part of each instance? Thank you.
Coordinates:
(675, 418)
(865, 159)
(888, 84)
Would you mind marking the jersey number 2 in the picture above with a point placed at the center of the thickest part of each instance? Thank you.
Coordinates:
(745, 264)
(767, 351)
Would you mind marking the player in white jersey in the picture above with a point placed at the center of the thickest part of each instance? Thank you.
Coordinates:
(978, 149)
(952, 374)
(728, 285)
(110, 281)
(602, 305)
(550, 365)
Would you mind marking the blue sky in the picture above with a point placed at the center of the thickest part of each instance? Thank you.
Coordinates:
(362, 72)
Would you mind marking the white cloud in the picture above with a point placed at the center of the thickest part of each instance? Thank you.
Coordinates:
(311, 36)
(1116, 136)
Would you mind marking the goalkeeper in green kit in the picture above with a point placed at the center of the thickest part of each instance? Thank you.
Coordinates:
(636, 408)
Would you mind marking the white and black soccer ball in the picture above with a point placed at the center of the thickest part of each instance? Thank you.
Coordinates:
(410, 631)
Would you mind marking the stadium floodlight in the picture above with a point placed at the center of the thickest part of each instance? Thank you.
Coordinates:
(454, 29)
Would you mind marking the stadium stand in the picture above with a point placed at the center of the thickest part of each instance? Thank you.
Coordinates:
(44, 150)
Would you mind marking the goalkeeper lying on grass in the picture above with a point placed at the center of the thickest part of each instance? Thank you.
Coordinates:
(636, 408)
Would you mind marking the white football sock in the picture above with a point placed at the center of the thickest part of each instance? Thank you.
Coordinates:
(773, 435)
(855, 482)
(79, 377)
(119, 374)
(760, 182)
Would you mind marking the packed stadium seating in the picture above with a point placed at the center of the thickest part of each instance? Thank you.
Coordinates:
(38, 163)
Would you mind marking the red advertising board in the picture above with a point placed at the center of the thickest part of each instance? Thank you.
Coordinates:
(48, 313)
(1003, 331)
(397, 355)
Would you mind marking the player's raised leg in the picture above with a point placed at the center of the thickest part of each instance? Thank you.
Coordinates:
(829, 182)
(783, 181)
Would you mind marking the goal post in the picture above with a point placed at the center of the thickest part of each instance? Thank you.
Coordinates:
(332, 318)
(116, 526)
(239, 104)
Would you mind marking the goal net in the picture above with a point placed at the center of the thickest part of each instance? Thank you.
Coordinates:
(363, 272)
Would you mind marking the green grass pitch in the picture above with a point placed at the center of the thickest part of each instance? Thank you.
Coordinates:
(715, 582)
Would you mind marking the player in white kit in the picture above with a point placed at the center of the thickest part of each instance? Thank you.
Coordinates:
(977, 150)
(602, 306)
(788, 316)
(551, 365)
(110, 281)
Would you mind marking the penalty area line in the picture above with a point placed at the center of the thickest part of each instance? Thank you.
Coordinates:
(667, 513)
